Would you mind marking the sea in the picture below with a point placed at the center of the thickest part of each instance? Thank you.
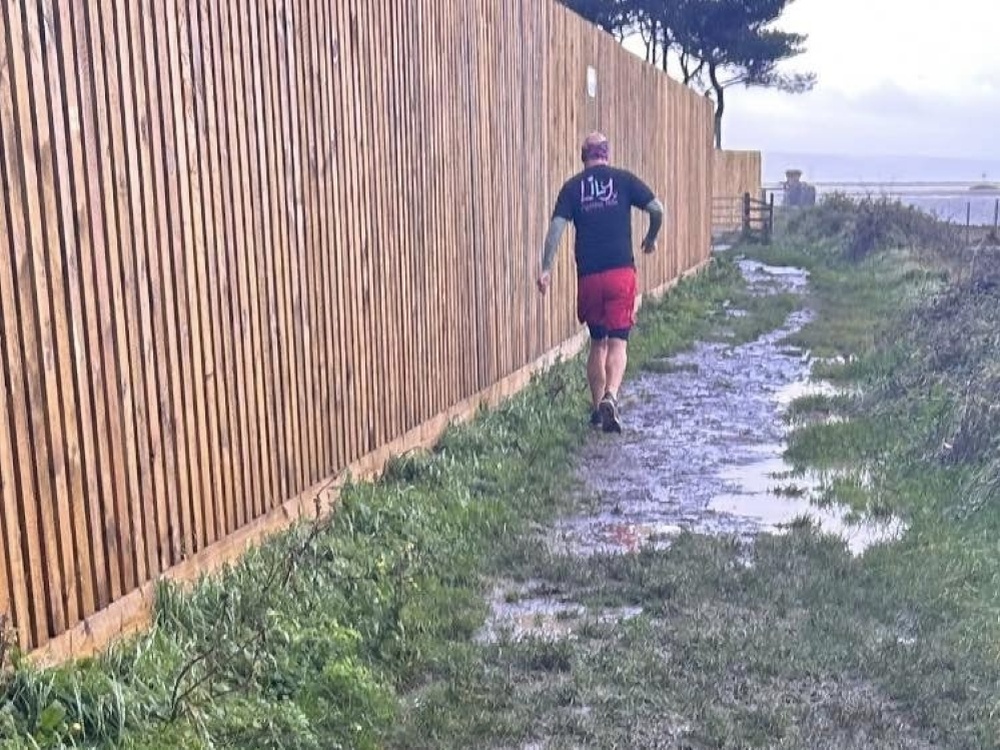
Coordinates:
(957, 190)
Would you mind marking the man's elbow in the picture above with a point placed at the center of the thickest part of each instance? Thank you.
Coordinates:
(655, 207)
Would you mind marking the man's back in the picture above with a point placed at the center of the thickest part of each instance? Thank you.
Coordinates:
(599, 201)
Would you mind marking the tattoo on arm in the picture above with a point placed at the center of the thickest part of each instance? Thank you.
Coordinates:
(655, 210)
(556, 228)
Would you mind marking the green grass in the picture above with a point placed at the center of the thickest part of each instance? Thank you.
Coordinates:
(911, 328)
(803, 648)
(759, 315)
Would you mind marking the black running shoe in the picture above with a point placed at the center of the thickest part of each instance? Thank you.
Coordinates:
(610, 419)
(595, 419)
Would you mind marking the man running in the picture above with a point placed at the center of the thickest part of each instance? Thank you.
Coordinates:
(599, 202)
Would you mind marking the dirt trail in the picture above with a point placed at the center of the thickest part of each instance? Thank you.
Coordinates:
(701, 452)
(703, 445)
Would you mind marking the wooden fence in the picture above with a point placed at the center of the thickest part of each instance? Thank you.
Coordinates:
(246, 246)
(734, 174)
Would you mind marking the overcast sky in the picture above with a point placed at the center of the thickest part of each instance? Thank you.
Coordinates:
(907, 77)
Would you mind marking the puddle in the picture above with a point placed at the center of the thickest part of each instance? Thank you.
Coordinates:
(770, 508)
(702, 451)
(535, 612)
(806, 387)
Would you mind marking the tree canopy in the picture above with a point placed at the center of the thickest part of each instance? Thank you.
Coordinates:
(715, 44)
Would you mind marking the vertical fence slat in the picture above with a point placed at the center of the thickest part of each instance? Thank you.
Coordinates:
(417, 333)
(226, 209)
(299, 365)
(329, 257)
(348, 286)
(362, 276)
(29, 289)
(143, 387)
(150, 285)
(326, 46)
(177, 453)
(288, 259)
(365, 323)
(267, 245)
(86, 366)
(251, 326)
(21, 588)
(414, 333)
(95, 257)
(390, 221)
(200, 279)
(438, 237)
(218, 212)
(23, 531)
(314, 275)
(373, 318)
(47, 256)
(120, 280)
(61, 251)
(314, 351)
(189, 413)
(369, 93)
(13, 579)
(273, 267)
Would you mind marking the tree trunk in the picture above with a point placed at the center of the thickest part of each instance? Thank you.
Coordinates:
(720, 102)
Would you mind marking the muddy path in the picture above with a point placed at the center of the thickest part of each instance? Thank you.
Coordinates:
(680, 603)
(702, 452)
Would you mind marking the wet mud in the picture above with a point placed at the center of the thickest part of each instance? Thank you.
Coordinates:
(703, 444)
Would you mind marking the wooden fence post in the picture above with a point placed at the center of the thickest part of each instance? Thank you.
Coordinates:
(770, 219)
(746, 216)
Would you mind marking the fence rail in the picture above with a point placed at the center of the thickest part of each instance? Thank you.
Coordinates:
(247, 245)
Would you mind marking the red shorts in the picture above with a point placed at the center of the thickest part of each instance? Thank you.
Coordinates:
(606, 302)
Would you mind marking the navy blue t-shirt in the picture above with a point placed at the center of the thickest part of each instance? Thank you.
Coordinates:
(599, 202)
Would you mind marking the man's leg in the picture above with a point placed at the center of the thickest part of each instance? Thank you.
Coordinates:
(597, 367)
(614, 372)
(589, 308)
(619, 316)
(616, 361)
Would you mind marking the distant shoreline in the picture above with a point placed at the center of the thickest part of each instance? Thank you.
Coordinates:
(887, 167)
(942, 188)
